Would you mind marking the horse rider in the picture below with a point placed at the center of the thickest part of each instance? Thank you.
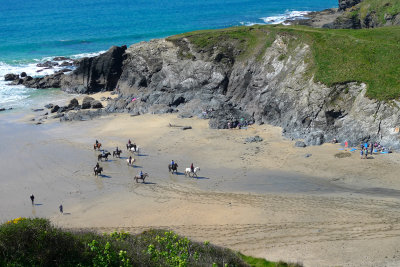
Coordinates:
(134, 146)
(172, 163)
(103, 153)
(129, 142)
(117, 150)
(192, 168)
(97, 166)
(141, 174)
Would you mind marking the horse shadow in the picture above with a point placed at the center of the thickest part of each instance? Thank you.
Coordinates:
(67, 213)
(148, 183)
(38, 204)
(104, 176)
(178, 173)
(200, 178)
(123, 157)
(143, 155)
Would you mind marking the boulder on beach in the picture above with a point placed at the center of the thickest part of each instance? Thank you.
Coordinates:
(60, 58)
(87, 102)
(23, 74)
(73, 103)
(300, 144)
(96, 104)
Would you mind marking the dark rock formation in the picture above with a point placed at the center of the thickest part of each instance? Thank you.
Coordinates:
(47, 64)
(11, 77)
(23, 74)
(82, 115)
(96, 74)
(61, 58)
(54, 109)
(253, 139)
(345, 4)
(300, 144)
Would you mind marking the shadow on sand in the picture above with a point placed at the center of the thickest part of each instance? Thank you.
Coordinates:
(104, 176)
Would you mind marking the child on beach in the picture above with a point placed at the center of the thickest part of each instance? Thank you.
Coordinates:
(362, 153)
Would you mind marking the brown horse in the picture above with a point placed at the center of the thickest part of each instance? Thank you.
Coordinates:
(137, 177)
(97, 146)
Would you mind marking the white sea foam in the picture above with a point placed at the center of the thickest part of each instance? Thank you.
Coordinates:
(287, 16)
(277, 19)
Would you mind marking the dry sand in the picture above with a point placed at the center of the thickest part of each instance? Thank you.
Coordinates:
(265, 199)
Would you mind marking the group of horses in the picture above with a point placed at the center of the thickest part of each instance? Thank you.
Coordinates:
(117, 153)
(135, 149)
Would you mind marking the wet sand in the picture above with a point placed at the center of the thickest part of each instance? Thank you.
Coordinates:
(265, 199)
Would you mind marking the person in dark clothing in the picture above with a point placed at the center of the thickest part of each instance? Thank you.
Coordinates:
(32, 199)
(61, 208)
(191, 167)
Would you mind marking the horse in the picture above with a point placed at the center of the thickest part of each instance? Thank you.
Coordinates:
(97, 171)
(137, 177)
(188, 172)
(173, 168)
(97, 146)
(101, 156)
(117, 153)
(132, 161)
(134, 149)
(129, 146)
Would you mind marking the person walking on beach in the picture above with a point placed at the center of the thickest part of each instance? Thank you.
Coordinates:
(32, 199)
(366, 153)
(372, 148)
(61, 209)
(362, 153)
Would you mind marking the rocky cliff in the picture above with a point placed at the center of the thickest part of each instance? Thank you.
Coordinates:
(228, 77)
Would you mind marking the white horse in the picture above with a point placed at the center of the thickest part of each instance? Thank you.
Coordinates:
(132, 149)
(132, 161)
(189, 172)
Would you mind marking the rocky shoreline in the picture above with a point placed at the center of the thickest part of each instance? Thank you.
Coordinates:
(175, 75)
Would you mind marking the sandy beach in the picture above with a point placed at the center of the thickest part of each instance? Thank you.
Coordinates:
(265, 199)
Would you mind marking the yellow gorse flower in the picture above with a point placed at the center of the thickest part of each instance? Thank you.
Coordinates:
(16, 220)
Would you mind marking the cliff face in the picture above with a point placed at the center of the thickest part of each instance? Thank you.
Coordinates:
(168, 77)
(232, 76)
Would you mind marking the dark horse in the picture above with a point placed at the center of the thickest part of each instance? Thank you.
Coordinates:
(117, 153)
(98, 170)
(173, 168)
(101, 156)
(137, 177)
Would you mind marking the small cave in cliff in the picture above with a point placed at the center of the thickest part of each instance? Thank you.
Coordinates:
(332, 115)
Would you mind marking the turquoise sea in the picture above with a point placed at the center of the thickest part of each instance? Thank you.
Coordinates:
(35, 31)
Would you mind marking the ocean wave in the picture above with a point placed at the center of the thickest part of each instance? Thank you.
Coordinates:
(277, 19)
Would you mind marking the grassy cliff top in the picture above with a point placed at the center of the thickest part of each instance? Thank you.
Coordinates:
(338, 56)
(379, 7)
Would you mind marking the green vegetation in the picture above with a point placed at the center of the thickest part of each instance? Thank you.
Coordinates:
(35, 242)
(379, 7)
(338, 56)
(257, 262)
